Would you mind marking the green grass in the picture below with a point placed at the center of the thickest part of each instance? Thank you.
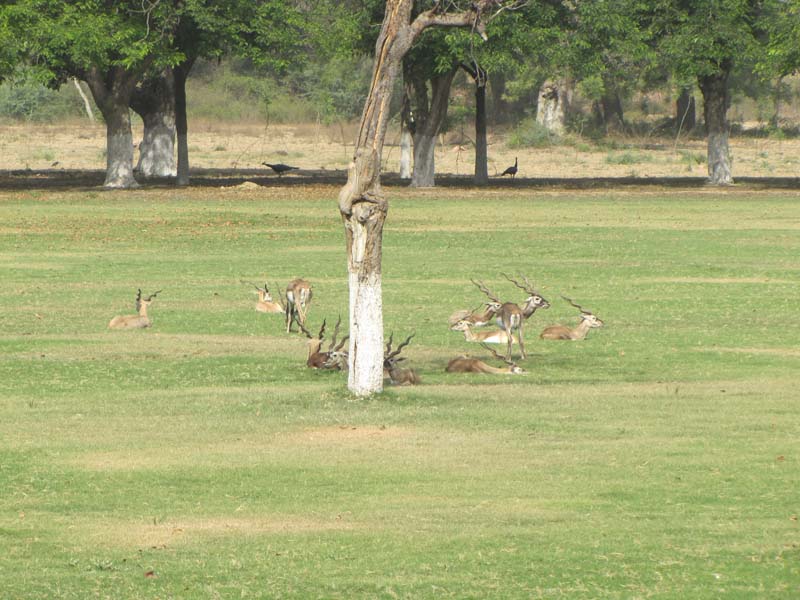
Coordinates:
(201, 459)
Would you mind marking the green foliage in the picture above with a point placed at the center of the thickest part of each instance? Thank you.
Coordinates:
(29, 100)
(530, 134)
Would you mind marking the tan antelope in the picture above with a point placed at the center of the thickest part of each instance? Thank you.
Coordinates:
(562, 332)
(476, 318)
(397, 375)
(534, 301)
(508, 318)
(266, 303)
(317, 359)
(139, 321)
(464, 364)
(494, 336)
(298, 298)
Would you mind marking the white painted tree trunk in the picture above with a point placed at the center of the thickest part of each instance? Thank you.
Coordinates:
(719, 159)
(550, 108)
(424, 161)
(366, 335)
(119, 158)
(405, 154)
(157, 150)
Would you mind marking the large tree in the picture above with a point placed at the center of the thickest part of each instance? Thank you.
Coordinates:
(362, 205)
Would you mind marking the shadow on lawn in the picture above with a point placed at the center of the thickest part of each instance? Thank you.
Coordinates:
(62, 179)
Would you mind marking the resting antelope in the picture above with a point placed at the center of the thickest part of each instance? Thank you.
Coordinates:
(317, 359)
(397, 375)
(509, 317)
(139, 321)
(463, 364)
(298, 297)
(473, 317)
(562, 332)
(266, 304)
(495, 336)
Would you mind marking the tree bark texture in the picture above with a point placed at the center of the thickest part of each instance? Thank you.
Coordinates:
(480, 77)
(430, 117)
(362, 207)
(685, 112)
(154, 102)
(112, 93)
(716, 100)
(551, 107)
(180, 73)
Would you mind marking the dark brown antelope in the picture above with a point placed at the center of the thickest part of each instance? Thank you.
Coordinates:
(397, 375)
(138, 321)
(494, 336)
(464, 364)
(508, 318)
(266, 303)
(562, 332)
(317, 359)
(298, 298)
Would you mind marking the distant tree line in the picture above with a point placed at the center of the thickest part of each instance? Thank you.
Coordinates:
(137, 54)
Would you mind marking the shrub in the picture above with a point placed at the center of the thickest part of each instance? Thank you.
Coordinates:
(530, 134)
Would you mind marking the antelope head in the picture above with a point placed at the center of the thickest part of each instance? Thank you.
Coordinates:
(314, 343)
(512, 366)
(337, 357)
(390, 358)
(495, 303)
(586, 316)
(534, 300)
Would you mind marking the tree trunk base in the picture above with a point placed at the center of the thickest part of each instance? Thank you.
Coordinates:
(366, 335)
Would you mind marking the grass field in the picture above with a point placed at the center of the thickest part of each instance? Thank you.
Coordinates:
(659, 458)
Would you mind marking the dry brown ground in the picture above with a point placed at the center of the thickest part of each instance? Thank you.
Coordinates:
(315, 148)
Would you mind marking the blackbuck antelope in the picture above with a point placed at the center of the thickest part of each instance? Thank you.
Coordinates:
(463, 364)
(298, 298)
(534, 301)
(139, 321)
(332, 359)
(508, 317)
(495, 336)
(397, 375)
(266, 303)
(562, 332)
(476, 318)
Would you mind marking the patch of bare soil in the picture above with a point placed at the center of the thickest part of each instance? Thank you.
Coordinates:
(72, 155)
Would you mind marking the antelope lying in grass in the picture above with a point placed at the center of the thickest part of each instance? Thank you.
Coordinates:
(397, 375)
(139, 321)
(334, 358)
(463, 364)
(494, 336)
(475, 318)
(562, 332)
(266, 303)
(298, 298)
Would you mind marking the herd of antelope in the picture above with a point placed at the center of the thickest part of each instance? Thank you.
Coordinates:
(509, 317)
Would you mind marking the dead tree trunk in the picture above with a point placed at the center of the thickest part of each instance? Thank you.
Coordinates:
(154, 102)
(361, 203)
(112, 94)
(479, 76)
(430, 117)
(716, 100)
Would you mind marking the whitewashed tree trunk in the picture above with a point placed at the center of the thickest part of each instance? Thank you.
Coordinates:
(366, 333)
(424, 161)
(551, 106)
(716, 99)
(157, 149)
(405, 154)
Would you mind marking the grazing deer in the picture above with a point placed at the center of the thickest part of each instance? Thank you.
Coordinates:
(562, 332)
(495, 336)
(298, 297)
(463, 364)
(317, 359)
(139, 321)
(509, 317)
(534, 301)
(266, 304)
(397, 375)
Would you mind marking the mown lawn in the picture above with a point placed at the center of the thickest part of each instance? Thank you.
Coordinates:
(201, 459)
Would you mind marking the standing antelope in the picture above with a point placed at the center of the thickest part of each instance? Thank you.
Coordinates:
(139, 321)
(495, 336)
(463, 364)
(317, 359)
(298, 297)
(562, 332)
(266, 304)
(509, 317)
(397, 375)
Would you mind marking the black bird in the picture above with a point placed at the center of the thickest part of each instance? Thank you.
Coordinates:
(280, 168)
(511, 170)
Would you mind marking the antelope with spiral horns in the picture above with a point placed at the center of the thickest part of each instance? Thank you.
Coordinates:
(509, 317)
(534, 301)
(334, 358)
(397, 375)
(298, 298)
(266, 303)
(562, 332)
(464, 364)
(138, 321)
